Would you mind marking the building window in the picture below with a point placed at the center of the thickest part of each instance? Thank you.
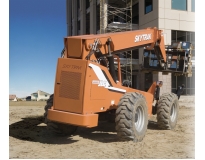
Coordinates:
(148, 6)
(35, 95)
(87, 4)
(78, 4)
(78, 26)
(148, 80)
(88, 23)
(188, 81)
(181, 36)
(135, 54)
(193, 5)
(78, 8)
(135, 13)
(174, 38)
(192, 38)
(98, 17)
(179, 5)
(71, 28)
(45, 95)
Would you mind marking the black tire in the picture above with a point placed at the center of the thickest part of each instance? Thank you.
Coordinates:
(55, 127)
(131, 117)
(167, 111)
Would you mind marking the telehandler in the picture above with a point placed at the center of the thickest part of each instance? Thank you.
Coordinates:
(86, 83)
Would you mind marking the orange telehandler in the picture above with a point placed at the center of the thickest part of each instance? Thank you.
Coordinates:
(86, 83)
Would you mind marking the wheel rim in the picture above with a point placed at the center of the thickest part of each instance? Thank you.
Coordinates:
(139, 118)
(173, 113)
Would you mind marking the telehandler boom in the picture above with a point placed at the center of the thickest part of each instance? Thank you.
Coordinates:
(86, 84)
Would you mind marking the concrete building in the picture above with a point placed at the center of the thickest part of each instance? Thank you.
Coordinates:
(175, 17)
(40, 96)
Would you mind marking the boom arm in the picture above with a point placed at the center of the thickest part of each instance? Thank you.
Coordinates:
(80, 46)
(92, 47)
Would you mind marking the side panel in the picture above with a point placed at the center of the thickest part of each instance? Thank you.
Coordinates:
(85, 87)
(69, 85)
(89, 120)
(101, 92)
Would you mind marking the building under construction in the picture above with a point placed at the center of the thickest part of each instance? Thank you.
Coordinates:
(175, 18)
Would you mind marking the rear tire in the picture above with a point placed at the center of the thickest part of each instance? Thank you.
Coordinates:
(167, 111)
(131, 117)
(55, 127)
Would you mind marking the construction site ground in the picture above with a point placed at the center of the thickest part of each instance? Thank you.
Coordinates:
(29, 138)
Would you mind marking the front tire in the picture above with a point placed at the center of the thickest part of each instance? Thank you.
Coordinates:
(131, 117)
(167, 111)
(55, 127)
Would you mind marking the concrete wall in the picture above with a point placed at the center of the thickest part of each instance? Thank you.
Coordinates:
(150, 19)
(176, 19)
(167, 82)
(170, 19)
(166, 18)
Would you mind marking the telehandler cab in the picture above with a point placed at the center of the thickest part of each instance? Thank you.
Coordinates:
(86, 83)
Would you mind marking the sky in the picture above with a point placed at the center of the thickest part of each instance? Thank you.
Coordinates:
(36, 32)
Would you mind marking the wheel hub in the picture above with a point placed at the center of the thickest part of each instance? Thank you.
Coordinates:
(173, 113)
(139, 118)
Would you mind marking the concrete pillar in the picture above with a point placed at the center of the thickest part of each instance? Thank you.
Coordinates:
(93, 16)
(189, 5)
(82, 17)
(155, 77)
(166, 88)
(74, 18)
(103, 15)
(98, 17)
(69, 17)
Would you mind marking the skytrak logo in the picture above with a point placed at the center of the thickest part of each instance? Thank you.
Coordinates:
(143, 37)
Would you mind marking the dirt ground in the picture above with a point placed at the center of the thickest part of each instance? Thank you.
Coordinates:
(29, 138)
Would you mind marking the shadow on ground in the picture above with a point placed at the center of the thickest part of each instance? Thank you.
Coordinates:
(105, 132)
(152, 125)
(33, 129)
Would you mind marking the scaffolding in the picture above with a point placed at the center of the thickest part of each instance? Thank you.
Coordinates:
(116, 16)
